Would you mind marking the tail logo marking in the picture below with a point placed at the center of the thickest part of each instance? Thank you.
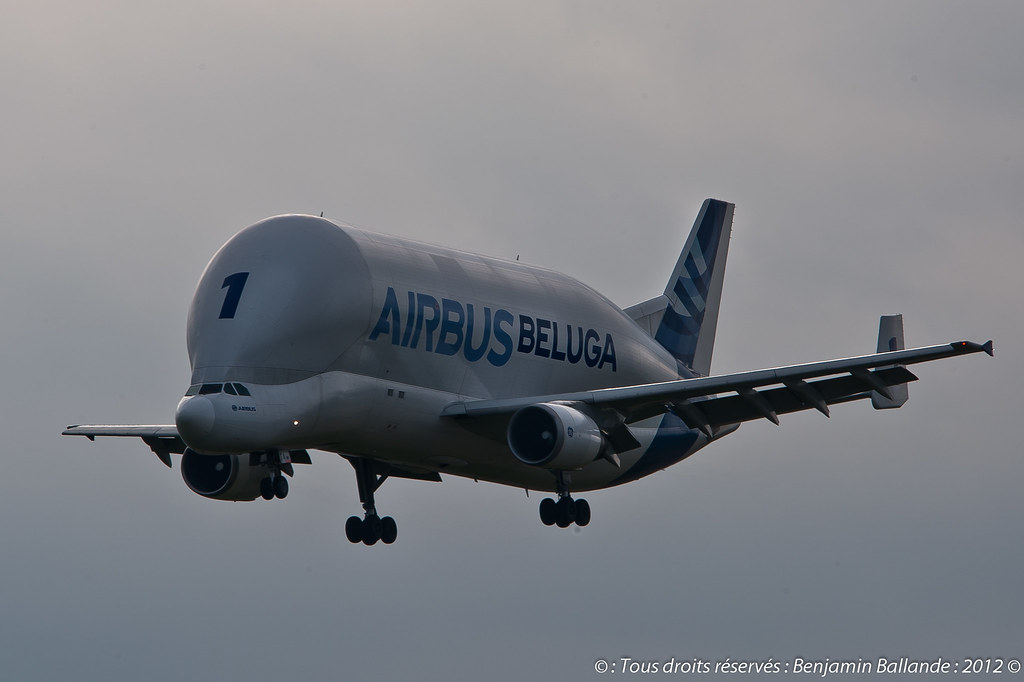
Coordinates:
(681, 324)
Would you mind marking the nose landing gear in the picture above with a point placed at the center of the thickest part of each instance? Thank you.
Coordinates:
(279, 463)
(274, 486)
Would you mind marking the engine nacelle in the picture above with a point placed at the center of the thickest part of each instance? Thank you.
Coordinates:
(222, 477)
(554, 436)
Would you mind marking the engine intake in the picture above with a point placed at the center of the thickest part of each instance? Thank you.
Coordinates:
(222, 477)
(554, 436)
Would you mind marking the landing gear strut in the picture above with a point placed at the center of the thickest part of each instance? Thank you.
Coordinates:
(279, 463)
(566, 510)
(371, 528)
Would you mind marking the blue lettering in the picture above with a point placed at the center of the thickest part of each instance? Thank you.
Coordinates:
(502, 336)
(391, 310)
(410, 318)
(609, 352)
(450, 327)
(575, 357)
(593, 352)
(542, 337)
(526, 329)
(426, 302)
(234, 283)
(555, 353)
(473, 354)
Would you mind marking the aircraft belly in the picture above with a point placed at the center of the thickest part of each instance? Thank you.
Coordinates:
(399, 424)
(485, 460)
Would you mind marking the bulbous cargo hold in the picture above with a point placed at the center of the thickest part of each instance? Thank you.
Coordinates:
(278, 303)
(294, 296)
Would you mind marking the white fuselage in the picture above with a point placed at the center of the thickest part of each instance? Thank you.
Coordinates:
(355, 343)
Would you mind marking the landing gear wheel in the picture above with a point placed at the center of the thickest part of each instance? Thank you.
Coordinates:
(280, 487)
(565, 512)
(372, 529)
(548, 511)
(582, 512)
(354, 529)
(267, 488)
(388, 530)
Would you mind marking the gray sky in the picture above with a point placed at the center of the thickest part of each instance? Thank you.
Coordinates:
(875, 155)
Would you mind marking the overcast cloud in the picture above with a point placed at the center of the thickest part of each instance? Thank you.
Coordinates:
(876, 157)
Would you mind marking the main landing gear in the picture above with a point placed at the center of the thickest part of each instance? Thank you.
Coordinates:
(274, 486)
(279, 463)
(371, 528)
(566, 510)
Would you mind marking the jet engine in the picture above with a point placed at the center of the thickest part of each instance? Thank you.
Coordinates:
(222, 477)
(554, 436)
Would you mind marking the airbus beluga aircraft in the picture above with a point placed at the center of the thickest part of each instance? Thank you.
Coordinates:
(411, 360)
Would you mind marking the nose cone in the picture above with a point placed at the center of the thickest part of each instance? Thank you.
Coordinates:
(194, 419)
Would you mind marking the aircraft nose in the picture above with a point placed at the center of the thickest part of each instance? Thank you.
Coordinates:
(194, 419)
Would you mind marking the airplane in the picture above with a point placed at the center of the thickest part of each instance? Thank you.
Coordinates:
(411, 361)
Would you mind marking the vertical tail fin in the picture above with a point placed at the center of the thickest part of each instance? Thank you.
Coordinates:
(890, 337)
(694, 292)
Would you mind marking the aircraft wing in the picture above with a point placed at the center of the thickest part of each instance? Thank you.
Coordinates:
(757, 394)
(161, 438)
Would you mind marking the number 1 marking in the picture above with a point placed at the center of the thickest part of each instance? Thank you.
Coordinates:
(234, 283)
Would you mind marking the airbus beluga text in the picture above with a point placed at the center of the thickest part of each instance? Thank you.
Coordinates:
(411, 360)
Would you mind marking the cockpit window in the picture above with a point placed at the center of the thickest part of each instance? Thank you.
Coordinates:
(210, 389)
